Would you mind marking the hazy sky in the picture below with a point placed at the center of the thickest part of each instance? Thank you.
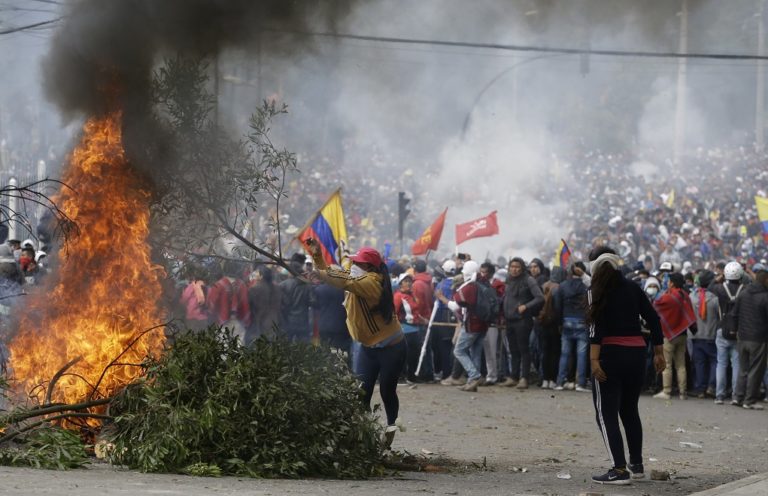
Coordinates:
(407, 105)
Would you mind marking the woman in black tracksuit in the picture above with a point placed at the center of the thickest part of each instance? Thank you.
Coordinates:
(617, 358)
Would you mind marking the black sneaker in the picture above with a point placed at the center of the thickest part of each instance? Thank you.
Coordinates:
(617, 477)
(637, 470)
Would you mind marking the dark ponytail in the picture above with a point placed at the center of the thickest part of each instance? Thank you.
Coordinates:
(386, 301)
(604, 280)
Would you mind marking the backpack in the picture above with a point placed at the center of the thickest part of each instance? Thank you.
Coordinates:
(488, 305)
(728, 322)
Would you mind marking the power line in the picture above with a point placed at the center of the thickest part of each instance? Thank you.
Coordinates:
(18, 29)
(528, 48)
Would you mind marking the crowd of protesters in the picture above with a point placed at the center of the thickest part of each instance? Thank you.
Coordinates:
(715, 321)
(689, 221)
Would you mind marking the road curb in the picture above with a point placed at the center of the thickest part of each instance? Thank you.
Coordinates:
(754, 485)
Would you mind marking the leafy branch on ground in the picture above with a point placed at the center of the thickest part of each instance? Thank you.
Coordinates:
(272, 409)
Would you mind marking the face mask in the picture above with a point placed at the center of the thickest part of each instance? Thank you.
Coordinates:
(651, 291)
(356, 271)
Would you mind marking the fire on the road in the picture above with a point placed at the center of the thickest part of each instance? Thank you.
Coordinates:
(106, 291)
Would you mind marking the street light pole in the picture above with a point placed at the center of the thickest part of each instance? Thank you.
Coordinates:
(468, 118)
(760, 82)
(682, 73)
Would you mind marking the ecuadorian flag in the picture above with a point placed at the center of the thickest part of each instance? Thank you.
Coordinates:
(328, 228)
(762, 213)
(562, 255)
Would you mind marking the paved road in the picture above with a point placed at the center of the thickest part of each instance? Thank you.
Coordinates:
(525, 438)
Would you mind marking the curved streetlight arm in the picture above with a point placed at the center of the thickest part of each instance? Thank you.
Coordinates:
(493, 81)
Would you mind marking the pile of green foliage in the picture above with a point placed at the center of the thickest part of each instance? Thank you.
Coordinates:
(210, 406)
(47, 447)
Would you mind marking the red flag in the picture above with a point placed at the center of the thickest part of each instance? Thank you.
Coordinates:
(430, 238)
(478, 228)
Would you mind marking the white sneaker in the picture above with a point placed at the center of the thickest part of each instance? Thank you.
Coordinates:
(581, 389)
(558, 388)
(662, 396)
(389, 435)
(570, 385)
(545, 385)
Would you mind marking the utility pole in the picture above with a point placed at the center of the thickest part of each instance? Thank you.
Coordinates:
(216, 88)
(402, 214)
(682, 72)
(13, 207)
(760, 81)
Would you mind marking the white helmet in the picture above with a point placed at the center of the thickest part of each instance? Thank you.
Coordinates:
(469, 269)
(733, 271)
(449, 267)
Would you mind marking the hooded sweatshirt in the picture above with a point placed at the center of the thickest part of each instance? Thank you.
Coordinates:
(522, 290)
(424, 293)
(706, 306)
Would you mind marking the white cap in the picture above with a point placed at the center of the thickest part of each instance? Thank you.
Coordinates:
(449, 266)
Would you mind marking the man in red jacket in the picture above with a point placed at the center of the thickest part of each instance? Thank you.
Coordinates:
(424, 292)
(676, 314)
(228, 301)
(469, 346)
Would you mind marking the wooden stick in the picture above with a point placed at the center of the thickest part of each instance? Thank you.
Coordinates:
(57, 376)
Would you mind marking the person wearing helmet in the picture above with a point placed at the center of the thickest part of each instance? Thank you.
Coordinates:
(727, 352)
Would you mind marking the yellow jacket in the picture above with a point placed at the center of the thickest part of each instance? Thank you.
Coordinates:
(364, 322)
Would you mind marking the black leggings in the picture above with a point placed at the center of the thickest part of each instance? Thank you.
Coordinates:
(549, 348)
(384, 364)
(413, 340)
(624, 368)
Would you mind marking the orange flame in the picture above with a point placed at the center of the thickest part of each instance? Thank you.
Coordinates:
(106, 290)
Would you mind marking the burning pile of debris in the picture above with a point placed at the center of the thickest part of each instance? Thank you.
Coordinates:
(92, 361)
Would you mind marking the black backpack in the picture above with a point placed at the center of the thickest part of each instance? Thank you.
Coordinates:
(728, 322)
(488, 304)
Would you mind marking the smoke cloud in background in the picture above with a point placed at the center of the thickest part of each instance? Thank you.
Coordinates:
(398, 111)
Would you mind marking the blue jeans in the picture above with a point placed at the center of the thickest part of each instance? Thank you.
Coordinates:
(726, 350)
(468, 351)
(574, 337)
(705, 364)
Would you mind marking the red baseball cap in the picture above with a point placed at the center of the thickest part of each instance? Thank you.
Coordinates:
(368, 256)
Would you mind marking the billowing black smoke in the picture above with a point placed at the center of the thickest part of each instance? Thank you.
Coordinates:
(107, 48)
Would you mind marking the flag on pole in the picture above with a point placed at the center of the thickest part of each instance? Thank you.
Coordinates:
(478, 228)
(762, 213)
(328, 228)
(562, 255)
(670, 199)
(430, 238)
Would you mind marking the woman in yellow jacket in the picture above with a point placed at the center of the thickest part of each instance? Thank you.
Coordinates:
(371, 321)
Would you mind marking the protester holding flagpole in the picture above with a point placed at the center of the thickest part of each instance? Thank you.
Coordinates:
(617, 359)
(371, 320)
